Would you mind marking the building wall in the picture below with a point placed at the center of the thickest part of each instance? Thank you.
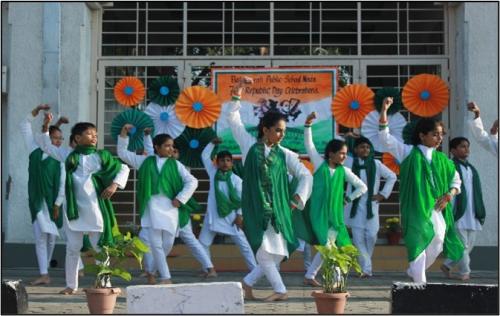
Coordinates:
(25, 92)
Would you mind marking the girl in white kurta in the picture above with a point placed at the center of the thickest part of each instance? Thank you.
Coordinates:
(215, 224)
(90, 219)
(364, 223)
(487, 141)
(427, 143)
(160, 215)
(44, 226)
(269, 244)
(350, 178)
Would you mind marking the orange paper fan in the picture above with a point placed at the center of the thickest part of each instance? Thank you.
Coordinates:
(309, 165)
(197, 107)
(351, 104)
(390, 162)
(425, 95)
(129, 91)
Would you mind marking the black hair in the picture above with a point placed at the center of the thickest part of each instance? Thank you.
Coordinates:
(81, 127)
(333, 146)
(53, 128)
(224, 154)
(71, 139)
(362, 140)
(269, 120)
(457, 141)
(424, 126)
(160, 139)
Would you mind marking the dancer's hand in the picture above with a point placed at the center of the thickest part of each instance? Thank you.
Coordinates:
(147, 131)
(46, 122)
(378, 197)
(474, 108)
(125, 130)
(442, 202)
(310, 118)
(62, 120)
(55, 210)
(109, 191)
(38, 108)
(217, 141)
(494, 128)
(176, 203)
(386, 104)
(296, 202)
(238, 221)
(238, 88)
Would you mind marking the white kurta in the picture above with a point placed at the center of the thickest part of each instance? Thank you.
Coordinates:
(159, 212)
(360, 220)
(487, 141)
(213, 221)
(90, 216)
(43, 220)
(272, 243)
(468, 220)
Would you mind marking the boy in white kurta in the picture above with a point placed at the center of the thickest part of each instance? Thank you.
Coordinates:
(362, 216)
(229, 223)
(468, 208)
(92, 177)
(487, 141)
(46, 193)
(164, 186)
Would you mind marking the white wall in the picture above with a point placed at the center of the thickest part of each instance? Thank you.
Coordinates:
(476, 59)
(25, 92)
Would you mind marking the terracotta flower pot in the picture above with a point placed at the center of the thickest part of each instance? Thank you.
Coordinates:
(330, 303)
(102, 301)
(393, 238)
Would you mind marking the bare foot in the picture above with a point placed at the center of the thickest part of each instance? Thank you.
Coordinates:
(311, 282)
(276, 297)
(446, 271)
(211, 273)
(42, 280)
(151, 278)
(81, 274)
(167, 281)
(464, 277)
(68, 291)
(248, 292)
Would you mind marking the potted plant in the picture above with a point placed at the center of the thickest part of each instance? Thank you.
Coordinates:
(101, 299)
(393, 230)
(337, 262)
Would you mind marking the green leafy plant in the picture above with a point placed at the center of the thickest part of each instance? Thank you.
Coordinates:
(110, 259)
(392, 225)
(337, 262)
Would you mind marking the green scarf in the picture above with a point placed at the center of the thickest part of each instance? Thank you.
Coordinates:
(371, 169)
(226, 204)
(265, 196)
(43, 184)
(461, 199)
(168, 180)
(421, 185)
(101, 179)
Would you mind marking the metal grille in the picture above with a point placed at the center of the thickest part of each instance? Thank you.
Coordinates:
(273, 28)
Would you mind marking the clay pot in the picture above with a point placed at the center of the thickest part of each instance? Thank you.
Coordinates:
(330, 303)
(102, 301)
(393, 238)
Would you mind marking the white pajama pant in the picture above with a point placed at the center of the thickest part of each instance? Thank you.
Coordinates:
(73, 259)
(305, 248)
(149, 265)
(468, 238)
(196, 248)
(162, 242)
(364, 239)
(268, 265)
(418, 266)
(207, 237)
(44, 247)
(315, 265)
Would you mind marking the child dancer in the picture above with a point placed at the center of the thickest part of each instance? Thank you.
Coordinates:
(45, 193)
(428, 181)
(326, 206)
(224, 215)
(488, 142)
(92, 177)
(362, 214)
(164, 186)
(468, 209)
(265, 200)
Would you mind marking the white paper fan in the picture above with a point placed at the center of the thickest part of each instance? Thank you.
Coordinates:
(369, 128)
(165, 120)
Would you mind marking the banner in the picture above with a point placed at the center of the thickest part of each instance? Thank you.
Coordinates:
(295, 92)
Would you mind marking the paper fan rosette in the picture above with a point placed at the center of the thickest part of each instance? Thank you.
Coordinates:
(425, 95)
(140, 122)
(370, 128)
(391, 162)
(165, 120)
(351, 104)
(383, 93)
(191, 143)
(129, 91)
(408, 131)
(164, 90)
(198, 107)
